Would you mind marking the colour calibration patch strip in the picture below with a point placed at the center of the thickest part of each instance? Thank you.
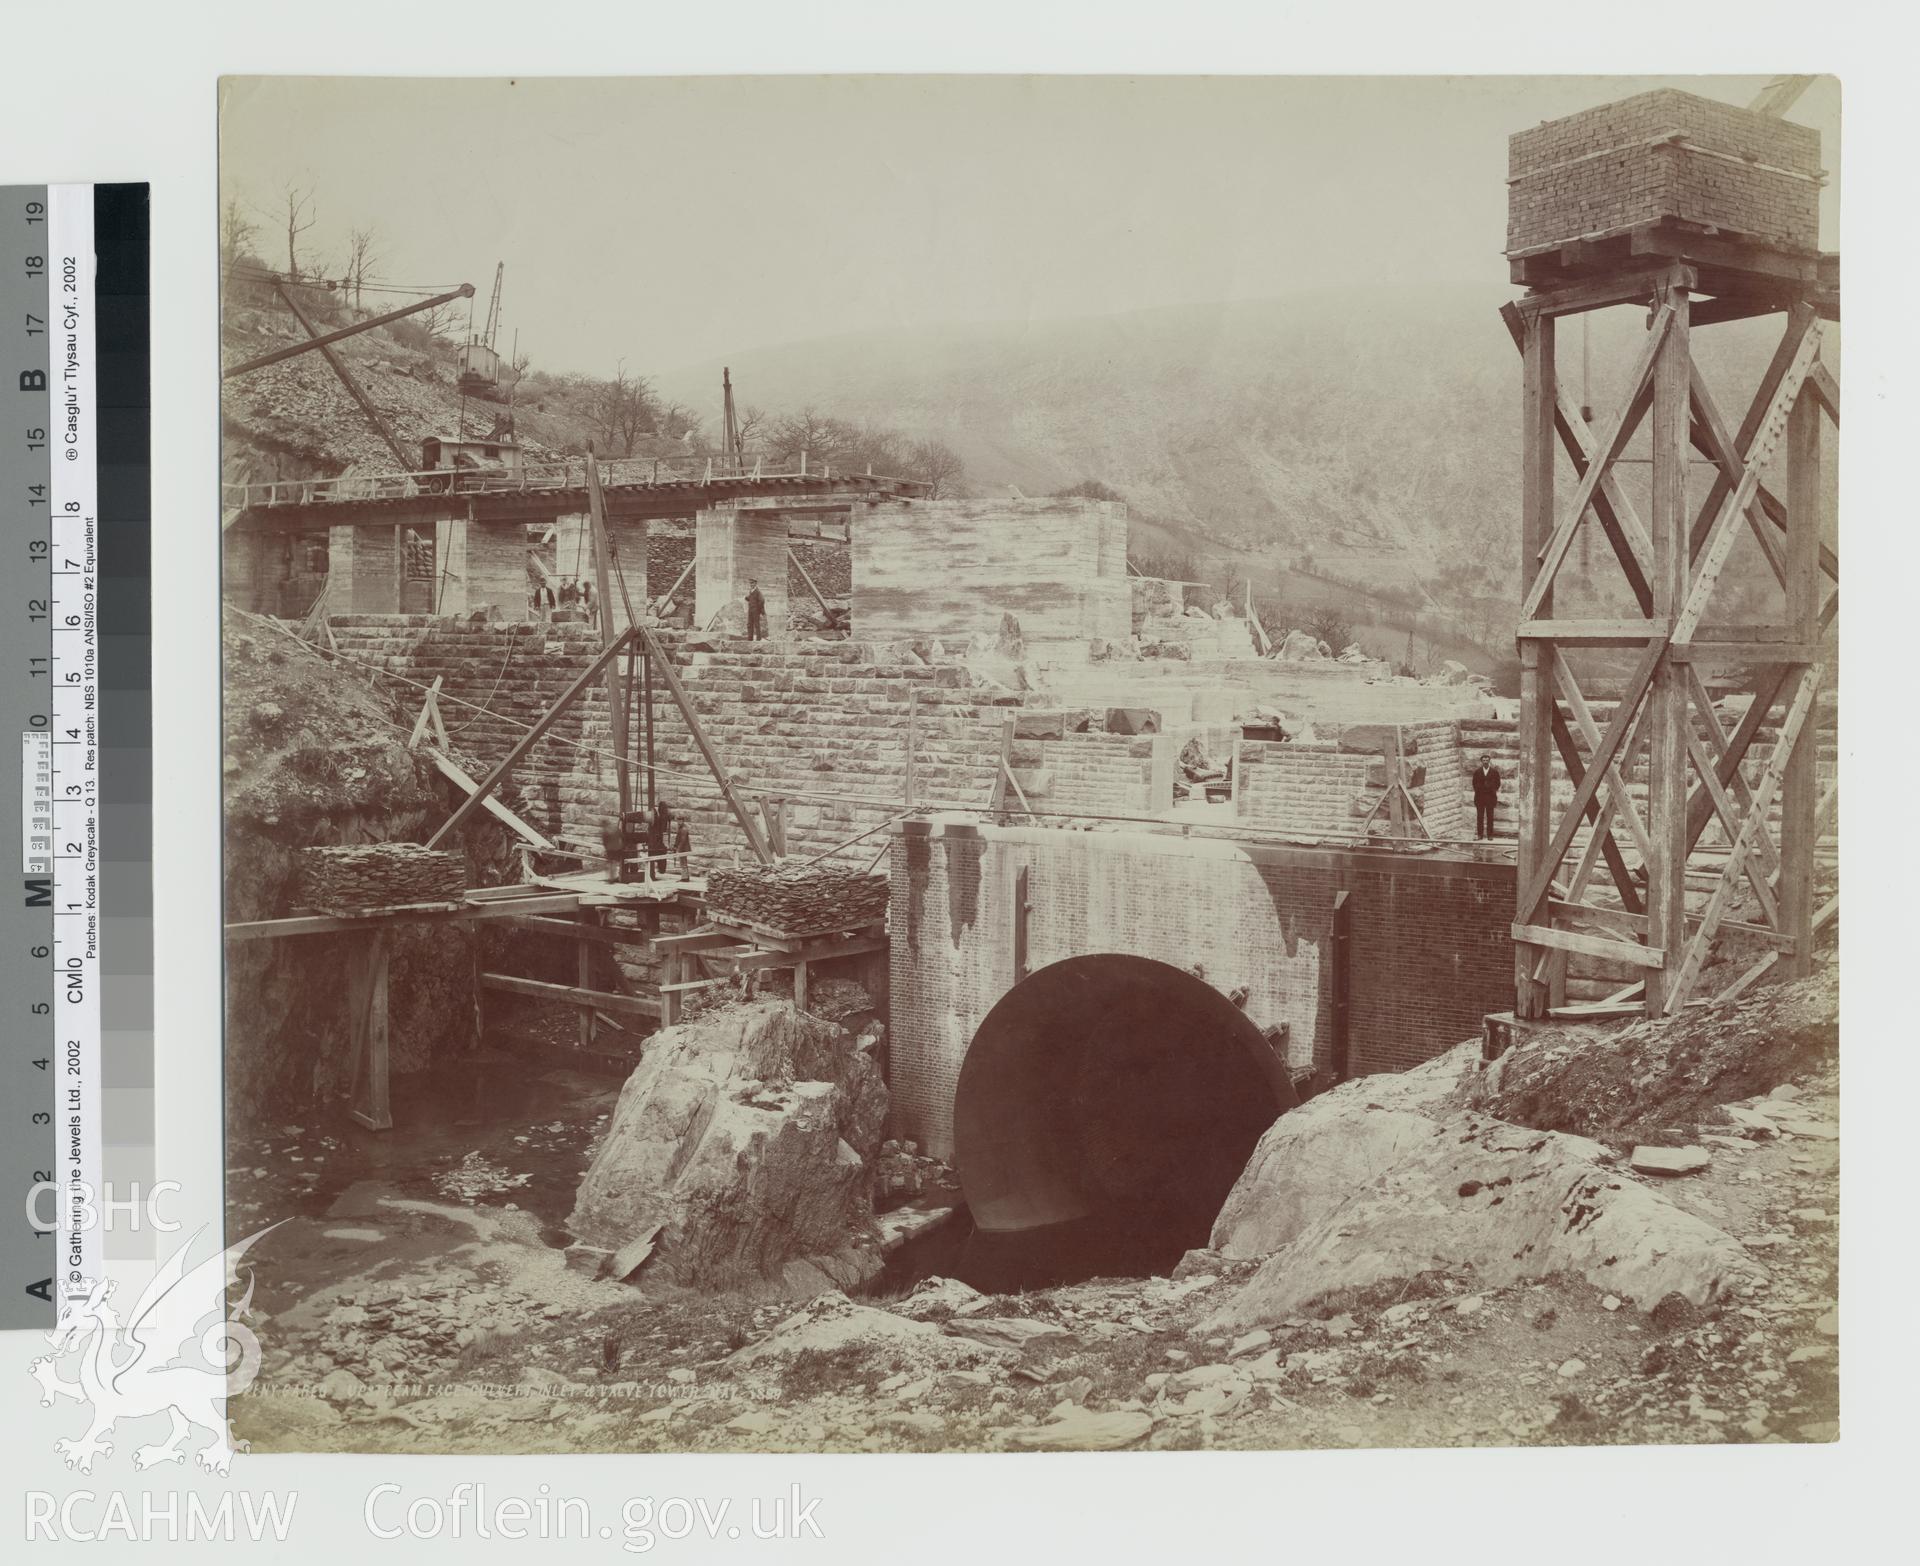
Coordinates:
(76, 936)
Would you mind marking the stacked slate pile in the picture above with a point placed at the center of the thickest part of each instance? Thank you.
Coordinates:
(799, 899)
(381, 875)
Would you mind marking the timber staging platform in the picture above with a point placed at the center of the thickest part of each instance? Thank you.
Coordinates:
(569, 907)
(633, 490)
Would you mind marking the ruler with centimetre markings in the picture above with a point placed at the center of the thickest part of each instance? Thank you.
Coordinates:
(76, 1068)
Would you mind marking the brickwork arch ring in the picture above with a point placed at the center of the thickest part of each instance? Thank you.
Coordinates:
(1112, 1085)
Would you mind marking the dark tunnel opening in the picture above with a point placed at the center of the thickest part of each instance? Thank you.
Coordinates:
(1105, 1108)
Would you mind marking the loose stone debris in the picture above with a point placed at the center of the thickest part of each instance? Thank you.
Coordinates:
(1352, 1295)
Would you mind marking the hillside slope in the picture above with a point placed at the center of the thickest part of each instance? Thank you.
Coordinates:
(295, 419)
(1380, 435)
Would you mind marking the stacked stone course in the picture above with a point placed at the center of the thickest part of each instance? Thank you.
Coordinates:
(954, 569)
(1610, 168)
(1328, 787)
(797, 722)
(1095, 773)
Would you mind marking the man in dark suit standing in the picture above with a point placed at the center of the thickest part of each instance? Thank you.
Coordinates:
(1486, 794)
(756, 611)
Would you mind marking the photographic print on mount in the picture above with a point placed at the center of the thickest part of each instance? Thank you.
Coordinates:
(1116, 764)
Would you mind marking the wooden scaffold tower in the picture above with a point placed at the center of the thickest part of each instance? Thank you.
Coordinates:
(1620, 894)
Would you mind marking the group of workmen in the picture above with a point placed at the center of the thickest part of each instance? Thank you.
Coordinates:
(668, 842)
(570, 595)
(573, 594)
(666, 836)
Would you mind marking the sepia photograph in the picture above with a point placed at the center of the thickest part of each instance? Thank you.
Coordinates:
(1029, 763)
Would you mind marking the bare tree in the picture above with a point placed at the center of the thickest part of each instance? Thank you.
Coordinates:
(237, 230)
(621, 409)
(295, 211)
(237, 233)
(935, 464)
(751, 421)
(817, 434)
(1328, 623)
(436, 321)
(679, 422)
(363, 254)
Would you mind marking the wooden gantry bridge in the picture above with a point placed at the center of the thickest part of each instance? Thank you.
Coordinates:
(635, 489)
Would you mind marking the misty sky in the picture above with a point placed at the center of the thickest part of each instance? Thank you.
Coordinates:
(679, 220)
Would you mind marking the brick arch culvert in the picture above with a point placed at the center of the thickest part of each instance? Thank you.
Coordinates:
(1113, 1092)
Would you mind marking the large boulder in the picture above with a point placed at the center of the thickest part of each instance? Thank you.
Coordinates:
(1001, 657)
(1379, 739)
(1300, 645)
(736, 1158)
(1373, 1181)
(1132, 720)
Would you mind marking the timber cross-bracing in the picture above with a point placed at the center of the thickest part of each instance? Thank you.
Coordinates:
(1623, 896)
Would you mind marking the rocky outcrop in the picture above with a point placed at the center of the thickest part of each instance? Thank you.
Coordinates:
(1379, 1180)
(312, 756)
(1653, 1079)
(736, 1158)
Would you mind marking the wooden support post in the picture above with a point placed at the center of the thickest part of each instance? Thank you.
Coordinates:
(1668, 717)
(744, 817)
(646, 714)
(1003, 774)
(1259, 631)
(1792, 728)
(1769, 683)
(479, 997)
(1397, 765)
(1614, 511)
(826, 613)
(671, 969)
(427, 707)
(630, 700)
(452, 771)
(1022, 910)
(660, 603)
(773, 812)
(800, 985)
(584, 972)
(1800, 783)
(913, 738)
(1018, 792)
(1340, 985)
(367, 969)
(527, 741)
(1534, 785)
(616, 693)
